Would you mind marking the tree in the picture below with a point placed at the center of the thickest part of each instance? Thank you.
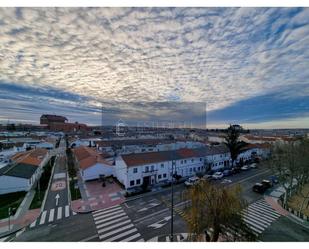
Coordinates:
(290, 163)
(232, 142)
(218, 209)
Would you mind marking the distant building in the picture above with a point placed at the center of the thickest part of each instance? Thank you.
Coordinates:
(59, 123)
(47, 119)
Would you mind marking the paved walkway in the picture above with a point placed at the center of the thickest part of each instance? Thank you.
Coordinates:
(23, 216)
(95, 197)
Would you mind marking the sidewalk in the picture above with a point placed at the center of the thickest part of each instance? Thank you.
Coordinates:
(272, 199)
(23, 216)
(95, 197)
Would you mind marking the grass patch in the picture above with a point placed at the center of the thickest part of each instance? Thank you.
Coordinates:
(75, 193)
(296, 201)
(37, 199)
(12, 200)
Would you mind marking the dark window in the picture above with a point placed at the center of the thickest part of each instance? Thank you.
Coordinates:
(164, 175)
(162, 165)
(131, 183)
(185, 161)
(135, 170)
(192, 160)
(147, 169)
(152, 168)
(159, 176)
(200, 159)
(198, 168)
(138, 181)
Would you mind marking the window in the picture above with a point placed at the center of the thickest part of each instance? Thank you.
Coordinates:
(192, 160)
(164, 175)
(138, 181)
(147, 169)
(131, 183)
(190, 169)
(198, 168)
(185, 161)
(181, 161)
(134, 170)
(162, 165)
(152, 168)
(159, 176)
(200, 159)
(194, 169)
(174, 163)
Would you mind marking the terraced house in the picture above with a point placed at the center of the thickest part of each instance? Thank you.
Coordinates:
(23, 171)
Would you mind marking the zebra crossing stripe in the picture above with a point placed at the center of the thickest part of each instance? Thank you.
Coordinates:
(269, 214)
(33, 224)
(115, 231)
(266, 207)
(110, 218)
(258, 216)
(105, 209)
(112, 222)
(43, 216)
(51, 215)
(106, 212)
(140, 240)
(114, 226)
(67, 211)
(255, 225)
(121, 235)
(132, 237)
(261, 223)
(59, 213)
(107, 215)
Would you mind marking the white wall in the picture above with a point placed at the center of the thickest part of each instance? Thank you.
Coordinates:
(96, 170)
(10, 184)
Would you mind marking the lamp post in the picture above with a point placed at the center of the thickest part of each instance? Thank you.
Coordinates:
(9, 218)
(172, 203)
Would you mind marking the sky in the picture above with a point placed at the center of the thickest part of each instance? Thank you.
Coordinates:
(245, 65)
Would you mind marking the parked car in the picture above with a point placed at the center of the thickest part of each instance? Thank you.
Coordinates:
(244, 168)
(253, 166)
(207, 177)
(236, 170)
(267, 184)
(274, 179)
(259, 188)
(192, 181)
(227, 172)
(217, 175)
(225, 181)
(134, 191)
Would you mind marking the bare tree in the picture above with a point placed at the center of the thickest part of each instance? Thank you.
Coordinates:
(217, 209)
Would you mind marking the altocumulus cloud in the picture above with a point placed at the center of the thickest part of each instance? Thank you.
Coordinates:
(74, 58)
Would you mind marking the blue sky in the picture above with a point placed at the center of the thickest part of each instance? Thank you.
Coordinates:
(248, 65)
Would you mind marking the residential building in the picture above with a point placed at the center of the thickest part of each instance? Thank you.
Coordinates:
(24, 169)
(92, 164)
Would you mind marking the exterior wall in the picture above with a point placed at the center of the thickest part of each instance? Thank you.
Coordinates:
(10, 184)
(218, 161)
(157, 171)
(96, 170)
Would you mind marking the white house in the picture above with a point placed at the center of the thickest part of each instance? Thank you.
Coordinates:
(92, 164)
(24, 170)
(153, 167)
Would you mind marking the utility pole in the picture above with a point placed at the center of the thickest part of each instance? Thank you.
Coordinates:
(9, 218)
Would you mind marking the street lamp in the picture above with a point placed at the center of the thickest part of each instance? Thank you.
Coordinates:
(172, 204)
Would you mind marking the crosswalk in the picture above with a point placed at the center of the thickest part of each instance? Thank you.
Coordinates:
(259, 216)
(182, 237)
(113, 224)
(51, 215)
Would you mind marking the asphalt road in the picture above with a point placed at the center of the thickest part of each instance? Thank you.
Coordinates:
(151, 216)
(58, 187)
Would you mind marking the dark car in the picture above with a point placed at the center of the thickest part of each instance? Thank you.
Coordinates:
(274, 179)
(134, 191)
(259, 188)
(236, 170)
(227, 172)
(267, 183)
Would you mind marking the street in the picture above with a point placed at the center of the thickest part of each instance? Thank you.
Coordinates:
(146, 218)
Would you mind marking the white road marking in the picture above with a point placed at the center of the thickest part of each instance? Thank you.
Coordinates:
(122, 235)
(110, 218)
(116, 231)
(67, 211)
(105, 209)
(114, 226)
(112, 222)
(131, 238)
(43, 216)
(51, 215)
(33, 224)
(105, 212)
(59, 213)
(107, 215)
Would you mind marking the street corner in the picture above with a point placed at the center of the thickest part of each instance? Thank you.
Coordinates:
(276, 206)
